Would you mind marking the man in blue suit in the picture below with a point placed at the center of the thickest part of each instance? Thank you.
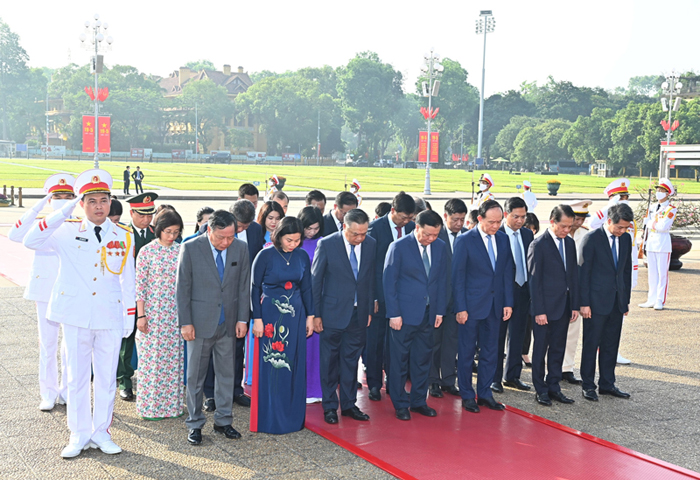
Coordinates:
(415, 295)
(343, 287)
(385, 230)
(482, 289)
(553, 277)
(520, 239)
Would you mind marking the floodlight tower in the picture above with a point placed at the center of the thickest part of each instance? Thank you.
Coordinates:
(485, 24)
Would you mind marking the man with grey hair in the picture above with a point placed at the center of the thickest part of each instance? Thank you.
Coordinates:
(420, 205)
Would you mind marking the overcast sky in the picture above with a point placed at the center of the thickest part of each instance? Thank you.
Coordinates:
(592, 43)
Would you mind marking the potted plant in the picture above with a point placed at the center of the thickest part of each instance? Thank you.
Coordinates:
(4, 201)
(553, 187)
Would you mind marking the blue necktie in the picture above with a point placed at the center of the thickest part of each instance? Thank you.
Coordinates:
(492, 255)
(220, 268)
(426, 265)
(519, 264)
(354, 266)
(614, 251)
(561, 251)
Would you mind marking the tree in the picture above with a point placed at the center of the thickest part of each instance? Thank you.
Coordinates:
(212, 104)
(564, 100)
(407, 122)
(540, 143)
(588, 139)
(504, 146)
(626, 136)
(199, 65)
(647, 85)
(499, 109)
(13, 72)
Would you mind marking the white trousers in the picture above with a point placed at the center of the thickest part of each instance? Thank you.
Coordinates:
(49, 388)
(571, 344)
(98, 349)
(657, 264)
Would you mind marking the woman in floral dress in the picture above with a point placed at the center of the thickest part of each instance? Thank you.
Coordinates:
(283, 318)
(161, 393)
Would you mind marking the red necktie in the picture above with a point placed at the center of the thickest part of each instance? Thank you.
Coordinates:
(398, 229)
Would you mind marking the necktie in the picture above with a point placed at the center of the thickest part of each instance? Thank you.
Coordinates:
(426, 265)
(519, 264)
(143, 235)
(97, 234)
(341, 227)
(614, 250)
(561, 251)
(398, 229)
(220, 268)
(354, 266)
(492, 254)
(454, 239)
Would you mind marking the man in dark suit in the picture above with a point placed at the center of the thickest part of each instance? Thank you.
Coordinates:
(392, 226)
(127, 180)
(415, 295)
(443, 370)
(138, 178)
(520, 239)
(343, 287)
(606, 267)
(333, 220)
(213, 291)
(248, 191)
(553, 277)
(316, 198)
(482, 288)
(142, 209)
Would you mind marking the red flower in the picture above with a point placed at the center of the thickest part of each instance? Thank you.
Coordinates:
(279, 346)
(269, 330)
(288, 286)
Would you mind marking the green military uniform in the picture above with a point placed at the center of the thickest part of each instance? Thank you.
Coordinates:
(143, 204)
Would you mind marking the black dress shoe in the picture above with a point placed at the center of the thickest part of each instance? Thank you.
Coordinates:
(195, 436)
(227, 430)
(497, 387)
(425, 410)
(435, 391)
(355, 413)
(330, 416)
(615, 392)
(470, 405)
(242, 400)
(560, 397)
(375, 394)
(209, 405)
(452, 390)
(359, 386)
(491, 403)
(127, 395)
(516, 383)
(475, 367)
(543, 399)
(590, 395)
(403, 414)
(569, 377)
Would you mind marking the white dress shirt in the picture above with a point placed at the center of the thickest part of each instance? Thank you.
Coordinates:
(617, 243)
(243, 236)
(556, 243)
(338, 223)
(395, 232)
(486, 242)
(420, 249)
(215, 253)
(452, 237)
(358, 251)
(516, 241)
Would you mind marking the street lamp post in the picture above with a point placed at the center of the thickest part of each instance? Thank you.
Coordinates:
(485, 24)
(93, 39)
(670, 86)
(432, 69)
(318, 139)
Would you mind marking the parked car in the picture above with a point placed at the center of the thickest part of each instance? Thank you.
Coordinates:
(360, 163)
(410, 164)
(219, 157)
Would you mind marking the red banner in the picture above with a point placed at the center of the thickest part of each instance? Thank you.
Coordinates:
(423, 146)
(104, 135)
(88, 134)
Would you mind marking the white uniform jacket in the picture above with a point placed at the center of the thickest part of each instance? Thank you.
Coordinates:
(658, 224)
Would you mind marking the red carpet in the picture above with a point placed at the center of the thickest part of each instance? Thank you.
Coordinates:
(15, 261)
(489, 445)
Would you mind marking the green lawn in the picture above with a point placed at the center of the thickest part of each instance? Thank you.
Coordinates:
(180, 176)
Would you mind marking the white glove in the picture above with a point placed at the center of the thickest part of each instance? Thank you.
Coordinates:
(614, 200)
(42, 203)
(68, 208)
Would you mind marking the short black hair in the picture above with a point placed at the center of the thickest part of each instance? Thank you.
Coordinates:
(168, 218)
(356, 215)
(310, 215)
(243, 210)
(488, 205)
(200, 215)
(248, 190)
(532, 222)
(115, 208)
(127, 166)
(220, 219)
(429, 218)
(288, 226)
(560, 211)
(620, 211)
(403, 203)
(420, 205)
(455, 205)
(382, 209)
(267, 208)
(515, 202)
(315, 195)
(345, 198)
(473, 216)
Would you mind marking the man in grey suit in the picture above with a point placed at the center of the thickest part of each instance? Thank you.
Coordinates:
(213, 291)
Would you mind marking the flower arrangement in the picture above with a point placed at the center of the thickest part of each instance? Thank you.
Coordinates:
(687, 212)
(553, 181)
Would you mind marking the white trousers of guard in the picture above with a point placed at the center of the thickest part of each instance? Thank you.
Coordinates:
(49, 388)
(657, 264)
(99, 349)
(571, 343)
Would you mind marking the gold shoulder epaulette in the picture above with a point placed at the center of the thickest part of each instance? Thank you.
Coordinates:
(124, 227)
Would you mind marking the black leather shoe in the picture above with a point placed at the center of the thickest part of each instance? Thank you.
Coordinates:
(571, 378)
(209, 405)
(355, 413)
(375, 394)
(516, 383)
(330, 416)
(475, 367)
(470, 405)
(543, 399)
(425, 410)
(491, 403)
(435, 391)
(127, 395)
(359, 386)
(227, 430)
(195, 436)
(452, 390)
(497, 387)
(403, 414)
(242, 400)
(615, 392)
(590, 395)
(560, 397)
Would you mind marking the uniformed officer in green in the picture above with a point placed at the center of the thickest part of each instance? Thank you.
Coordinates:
(142, 210)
